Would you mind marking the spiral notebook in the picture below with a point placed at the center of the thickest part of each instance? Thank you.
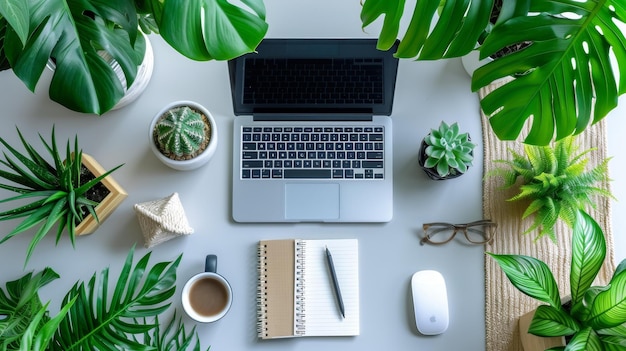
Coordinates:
(295, 290)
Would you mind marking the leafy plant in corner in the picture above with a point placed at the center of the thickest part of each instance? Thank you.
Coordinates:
(83, 81)
(445, 152)
(92, 317)
(555, 180)
(53, 190)
(565, 79)
(596, 319)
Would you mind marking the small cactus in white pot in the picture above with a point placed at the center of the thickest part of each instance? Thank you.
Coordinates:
(183, 135)
(445, 152)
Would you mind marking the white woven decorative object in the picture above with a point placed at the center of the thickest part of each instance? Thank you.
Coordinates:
(162, 220)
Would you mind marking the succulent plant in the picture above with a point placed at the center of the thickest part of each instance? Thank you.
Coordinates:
(554, 178)
(447, 151)
(56, 192)
(180, 133)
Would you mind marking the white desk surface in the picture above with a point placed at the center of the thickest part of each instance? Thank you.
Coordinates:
(426, 93)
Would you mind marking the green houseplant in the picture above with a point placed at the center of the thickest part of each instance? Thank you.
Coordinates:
(445, 152)
(183, 135)
(60, 192)
(596, 316)
(564, 79)
(93, 317)
(82, 80)
(555, 180)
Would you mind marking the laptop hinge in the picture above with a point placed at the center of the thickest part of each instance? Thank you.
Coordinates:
(313, 117)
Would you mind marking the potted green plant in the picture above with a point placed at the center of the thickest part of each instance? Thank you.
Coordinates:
(555, 180)
(446, 153)
(595, 316)
(83, 80)
(74, 193)
(183, 135)
(91, 317)
(563, 81)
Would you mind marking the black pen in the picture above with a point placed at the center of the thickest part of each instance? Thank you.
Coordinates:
(331, 266)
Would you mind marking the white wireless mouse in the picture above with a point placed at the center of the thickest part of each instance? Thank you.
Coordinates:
(430, 302)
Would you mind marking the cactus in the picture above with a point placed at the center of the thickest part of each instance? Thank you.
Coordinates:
(180, 133)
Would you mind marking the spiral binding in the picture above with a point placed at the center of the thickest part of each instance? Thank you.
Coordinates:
(300, 284)
(261, 294)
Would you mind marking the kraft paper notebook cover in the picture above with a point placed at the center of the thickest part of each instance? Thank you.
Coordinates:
(295, 291)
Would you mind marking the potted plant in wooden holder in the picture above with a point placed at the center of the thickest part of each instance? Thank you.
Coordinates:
(445, 153)
(74, 193)
(555, 180)
(183, 135)
(595, 316)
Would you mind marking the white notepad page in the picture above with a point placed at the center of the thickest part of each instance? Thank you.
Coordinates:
(321, 314)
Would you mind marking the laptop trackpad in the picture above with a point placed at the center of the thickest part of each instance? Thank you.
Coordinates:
(311, 202)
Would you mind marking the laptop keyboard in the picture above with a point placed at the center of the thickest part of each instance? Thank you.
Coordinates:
(312, 152)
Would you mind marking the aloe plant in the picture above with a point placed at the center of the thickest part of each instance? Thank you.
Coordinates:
(180, 132)
(448, 151)
(83, 81)
(54, 192)
(92, 317)
(596, 318)
(564, 80)
(555, 180)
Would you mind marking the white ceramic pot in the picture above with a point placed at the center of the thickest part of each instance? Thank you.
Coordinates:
(471, 62)
(201, 159)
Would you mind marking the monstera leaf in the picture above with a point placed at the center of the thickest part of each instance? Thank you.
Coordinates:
(563, 81)
(75, 33)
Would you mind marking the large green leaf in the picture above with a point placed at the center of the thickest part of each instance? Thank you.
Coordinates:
(228, 31)
(530, 276)
(102, 321)
(549, 321)
(20, 304)
(563, 81)
(71, 32)
(588, 253)
(609, 307)
(585, 340)
(16, 14)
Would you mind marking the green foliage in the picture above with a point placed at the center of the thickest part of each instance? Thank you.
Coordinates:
(92, 318)
(555, 180)
(83, 81)
(564, 80)
(448, 150)
(52, 190)
(180, 131)
(597, 317)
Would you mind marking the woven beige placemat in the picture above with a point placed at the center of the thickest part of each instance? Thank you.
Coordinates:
(503, 303)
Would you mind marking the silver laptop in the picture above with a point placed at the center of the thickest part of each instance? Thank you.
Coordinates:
(313, 136)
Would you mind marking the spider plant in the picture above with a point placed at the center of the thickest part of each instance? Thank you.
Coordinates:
(568, 77)
(53, 191)
(92, 317)
(555, 180)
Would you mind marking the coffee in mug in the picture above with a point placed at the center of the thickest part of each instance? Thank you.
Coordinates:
(207, 296)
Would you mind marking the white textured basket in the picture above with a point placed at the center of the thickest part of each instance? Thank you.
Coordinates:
(161, 220)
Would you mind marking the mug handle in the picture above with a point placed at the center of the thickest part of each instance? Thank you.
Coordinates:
(210, 265)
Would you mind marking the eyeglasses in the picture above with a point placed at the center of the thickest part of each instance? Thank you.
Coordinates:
(478, 232)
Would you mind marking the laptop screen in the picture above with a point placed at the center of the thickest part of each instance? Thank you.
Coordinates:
(314, 75)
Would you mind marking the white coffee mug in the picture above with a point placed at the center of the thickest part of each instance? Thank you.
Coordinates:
(207, 296)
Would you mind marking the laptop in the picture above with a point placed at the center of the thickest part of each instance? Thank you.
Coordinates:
(312, 133)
